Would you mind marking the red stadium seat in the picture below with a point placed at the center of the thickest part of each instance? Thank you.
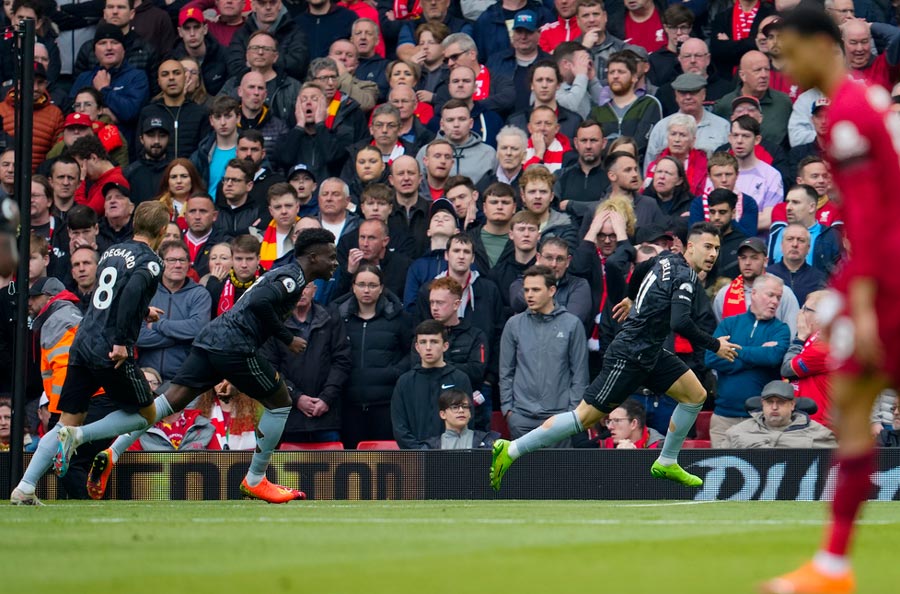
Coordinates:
(325, 445)
(696, 444)
(702, 424)
(377, 445)
(498, 424)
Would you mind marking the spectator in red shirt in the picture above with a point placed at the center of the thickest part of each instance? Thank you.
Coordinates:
(564, 28)
(862, 65)
(628, 429)
(97, 170)
(643, 25)
(806, 361)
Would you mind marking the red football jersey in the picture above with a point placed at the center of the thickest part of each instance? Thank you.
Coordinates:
(862, 142)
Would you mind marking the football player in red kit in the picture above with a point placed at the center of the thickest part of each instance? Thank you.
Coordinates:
(861, 141)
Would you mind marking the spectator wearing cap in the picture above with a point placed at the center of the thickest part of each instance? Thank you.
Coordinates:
(626, 113)
(544, 80)
(600, 44)
(778, 425)
(825, 247)
(164, 345)
(274, 18)
(678, 22)
(136, 50)
(722, 203)
(124, 87)
(516, 60)
(754, 82)
(493, 91)
(690, 95)
(491, 32)
(792, 268)
(187, 122)
(154, 25)
(145, 173)
(779, 80)
(48, 119)
(733, 32)
(442, 225)
(565, 28)
(694, 58)
(197, 42)
(755, 177)
(229, 18)
(735, 298)
(96, 170)
(816, 146)
(281, 89)
(115, 224)
(303, 180)
(763, 341)
(88, 110)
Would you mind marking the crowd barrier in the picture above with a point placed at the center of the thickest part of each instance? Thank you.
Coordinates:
(802, 475)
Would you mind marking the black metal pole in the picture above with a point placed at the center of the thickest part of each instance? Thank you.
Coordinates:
(24, 129)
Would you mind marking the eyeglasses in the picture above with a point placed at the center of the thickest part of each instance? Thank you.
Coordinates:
(458, 407)
(84, 104)
(261, 48)
(611, 421)
(326, 78)
(453, 57)
(846, 11)
(607, 236)
(385, 125)
(175, 260)
(232, 180)
(557, 259)
(367, 286)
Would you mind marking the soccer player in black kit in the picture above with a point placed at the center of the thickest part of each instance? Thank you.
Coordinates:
(636, 358)
(227, 349)
(102, 353)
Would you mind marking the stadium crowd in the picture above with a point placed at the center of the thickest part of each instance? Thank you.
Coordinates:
(492, 171)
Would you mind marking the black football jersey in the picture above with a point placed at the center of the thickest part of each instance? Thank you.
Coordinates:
(259, 314)
(127, 278)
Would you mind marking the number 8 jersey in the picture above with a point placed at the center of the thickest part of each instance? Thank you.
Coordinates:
(127, 277)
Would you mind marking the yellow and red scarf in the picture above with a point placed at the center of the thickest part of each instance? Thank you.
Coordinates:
(268, 251)
(333, 108)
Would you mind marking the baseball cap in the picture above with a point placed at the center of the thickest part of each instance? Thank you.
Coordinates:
(125, 190)
(651, 233)
(439, 205)
(77, 119)
(44, 401)
(108, 31)
(152, 123)
(745, 99)
(754, 243)
(689, 82)
(40, 71)
(772, 25)
(778, 388)
(821, 103)
(638, 50)
(190, 14)
(525, 19)
(300, 168)
(46, 285)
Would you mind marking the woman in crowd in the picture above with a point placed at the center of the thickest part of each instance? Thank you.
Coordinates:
(179, 180)
(682, 134)
(194, 87)
(669, 187)
(403, 72)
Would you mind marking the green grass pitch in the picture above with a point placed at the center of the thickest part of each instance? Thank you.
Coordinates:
(428, 547)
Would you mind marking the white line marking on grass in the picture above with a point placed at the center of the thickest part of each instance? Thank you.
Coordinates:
(525, 522)
(667, 504)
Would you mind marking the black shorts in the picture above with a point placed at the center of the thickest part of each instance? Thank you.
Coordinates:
(125, 385)
(620, 378)
(250, 374)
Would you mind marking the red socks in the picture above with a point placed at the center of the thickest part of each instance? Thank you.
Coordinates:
(853, 489)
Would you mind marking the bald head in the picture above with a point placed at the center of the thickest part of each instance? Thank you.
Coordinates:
(857, 43)
(694, 56)
(252, 92)
(754, 73)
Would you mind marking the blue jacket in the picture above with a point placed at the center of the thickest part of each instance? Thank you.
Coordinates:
(127, 93)
(423, 270)
(165, 345)
(755, 365)
(490, 32)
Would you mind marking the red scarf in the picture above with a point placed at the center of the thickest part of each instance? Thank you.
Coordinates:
(735, 300)
(402, 12)
(333, 108)
(742, 22)
(226, 299)
(268, 250)
(738, 209)
(482, 84)
(397, 152)
(594, 342)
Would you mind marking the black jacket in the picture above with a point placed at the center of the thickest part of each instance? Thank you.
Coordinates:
(323, 152)
(214, 67)
(394, 266)
(803, 282)
(415, 225)
(373, 70)
(726, 54)
(573, 184)
(414, 403)
(468, 351)
(293, 56)
(586, 263)
(379, 348)
(145, 177)
(505, 271)
(481, 440)
(321, 371)
(672, 209)
(232, 222)
(188, 124)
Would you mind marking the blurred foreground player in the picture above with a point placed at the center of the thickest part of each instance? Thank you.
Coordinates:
(9, 222)
(635, 358)
(102, 353)
(227, 349)
(860, 315)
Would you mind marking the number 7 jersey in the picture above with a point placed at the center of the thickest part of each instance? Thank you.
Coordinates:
(127, 278)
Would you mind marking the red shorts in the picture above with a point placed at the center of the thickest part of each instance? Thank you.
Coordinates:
(842, 337)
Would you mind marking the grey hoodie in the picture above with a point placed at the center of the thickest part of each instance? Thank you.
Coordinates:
(543, 363)
(473, 158)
